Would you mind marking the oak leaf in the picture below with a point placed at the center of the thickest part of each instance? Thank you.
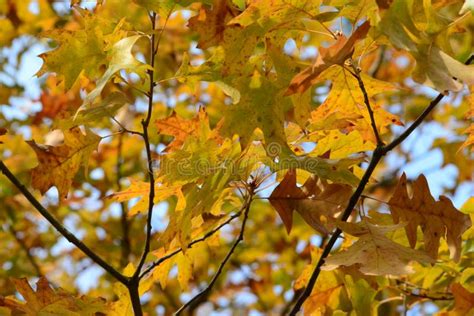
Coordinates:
(316, 204)
(120, 57)
(140, 190)
(79, 51)
(437, 219)
(345, 109)
(434, 67)
(373, 252)
(180, 128)
(59, 164)
(336, 54)
(47, 301)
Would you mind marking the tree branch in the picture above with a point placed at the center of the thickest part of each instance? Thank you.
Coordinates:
(207, 290)
(60, 228)
(378, 153)
(145, 124)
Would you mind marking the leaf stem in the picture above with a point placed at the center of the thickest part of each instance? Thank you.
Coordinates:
(60, 228)
(377, 155)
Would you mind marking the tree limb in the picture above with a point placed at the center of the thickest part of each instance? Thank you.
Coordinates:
(60, 228)
(378, 153)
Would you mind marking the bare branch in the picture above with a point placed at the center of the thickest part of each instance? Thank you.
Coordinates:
(208, 289)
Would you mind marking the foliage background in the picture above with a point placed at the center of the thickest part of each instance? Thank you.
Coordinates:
(261, 276)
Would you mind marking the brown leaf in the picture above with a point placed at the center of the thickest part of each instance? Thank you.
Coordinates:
(210, 24)
(436, 218)
(316, 204)
(59, 164)
(336, 54)
(3, 131)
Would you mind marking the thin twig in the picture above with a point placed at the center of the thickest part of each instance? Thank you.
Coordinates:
(207, 290)
(192, 243)
(60, 228)
(378, 153)
(123, 128)
(356, 74)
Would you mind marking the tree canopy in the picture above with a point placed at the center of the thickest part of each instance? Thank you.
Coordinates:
(254, 157)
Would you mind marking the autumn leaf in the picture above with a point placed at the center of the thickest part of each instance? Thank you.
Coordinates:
(469, 142)
(463, 300)
(344, 107)
(317, 205)
(141, 190)
(181, 128)
(59, 164)
(373, 253)
(80, 51)
(434, 66)
(47, 301)
(437, 219)
(210, 71)
(120, 57)
(3, 131)
(336, 54)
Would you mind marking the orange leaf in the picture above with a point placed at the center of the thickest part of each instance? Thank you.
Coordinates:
(336, 54)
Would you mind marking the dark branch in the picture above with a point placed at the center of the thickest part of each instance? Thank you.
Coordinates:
(378, 153)
(60, 228)
(146, 139)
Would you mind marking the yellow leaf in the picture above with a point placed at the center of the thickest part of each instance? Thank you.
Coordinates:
(46, 301)
(185, 269)
(141, 190)
(79, 51)
(344, 107)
